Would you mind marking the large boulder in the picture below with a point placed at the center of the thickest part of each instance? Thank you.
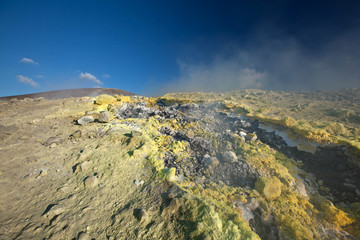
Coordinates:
(104, 117)
(209, 162)
(86, 120)
(270, 187)
(229, 157)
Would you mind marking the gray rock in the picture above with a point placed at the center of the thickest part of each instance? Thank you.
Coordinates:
(357, 192)
(246, 213)
(229, 157)
(75, 135)
(91, 181)
(250, 137)
(85, 120)
(113, 130)
(209, 162)
(300, 188)
(245, 124)
(83, 236)
(190, 134)
(53, 210)
(52, 140)
(253, 204)
(104, 117)
(242, 134)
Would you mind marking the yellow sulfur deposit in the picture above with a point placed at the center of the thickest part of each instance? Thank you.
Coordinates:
(105, 99)
(270, 187)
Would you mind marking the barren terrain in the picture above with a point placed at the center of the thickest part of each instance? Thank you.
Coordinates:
(183, 166)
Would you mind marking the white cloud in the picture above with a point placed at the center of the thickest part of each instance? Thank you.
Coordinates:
(28, 61)
(27, 80)
(39, 76)
(89, 77)
(105, 75)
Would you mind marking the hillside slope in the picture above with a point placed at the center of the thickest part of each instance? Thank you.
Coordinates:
(66, 93)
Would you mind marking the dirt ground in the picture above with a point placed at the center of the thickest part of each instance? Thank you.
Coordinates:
(43, 188)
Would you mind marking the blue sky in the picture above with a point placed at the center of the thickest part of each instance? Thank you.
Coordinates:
(154, 47)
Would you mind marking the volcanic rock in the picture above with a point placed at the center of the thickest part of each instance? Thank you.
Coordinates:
(209, 162)
(83, 236)
(229, 157)
(86, 120)
(52, 140)
(270, 187)
(242, 134)
(250, 137)
(300, 188)
(104, 117)
(91, 181)
(75, 135)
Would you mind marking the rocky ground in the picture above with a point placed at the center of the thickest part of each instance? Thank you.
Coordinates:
(145, 168)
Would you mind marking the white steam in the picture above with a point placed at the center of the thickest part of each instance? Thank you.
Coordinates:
(281, 63)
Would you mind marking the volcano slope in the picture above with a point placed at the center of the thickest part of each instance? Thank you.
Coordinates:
(239, 165)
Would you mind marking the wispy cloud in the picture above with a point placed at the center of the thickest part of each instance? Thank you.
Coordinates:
(39, 76)
(105, 75)
(89, 77)
(27, 80)
(28, 61)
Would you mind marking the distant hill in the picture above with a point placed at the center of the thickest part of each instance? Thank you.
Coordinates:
(82, 92)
